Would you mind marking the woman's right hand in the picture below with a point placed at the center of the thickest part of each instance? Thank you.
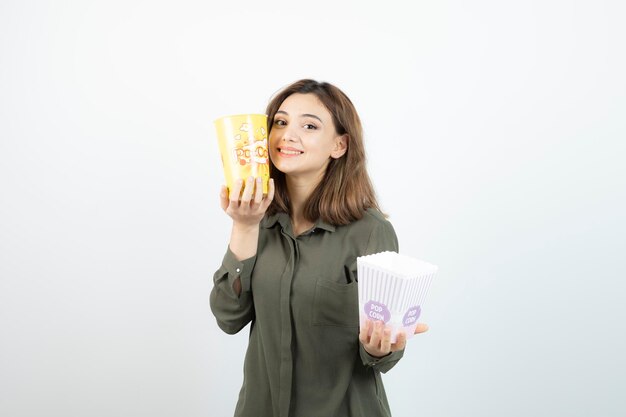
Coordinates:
(250, 209)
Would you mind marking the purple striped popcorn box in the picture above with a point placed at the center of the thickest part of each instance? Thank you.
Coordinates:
(392, 289)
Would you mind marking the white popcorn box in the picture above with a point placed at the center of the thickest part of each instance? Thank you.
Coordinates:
(392, 288)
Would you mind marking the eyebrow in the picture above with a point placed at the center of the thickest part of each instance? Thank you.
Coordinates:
(302, 115)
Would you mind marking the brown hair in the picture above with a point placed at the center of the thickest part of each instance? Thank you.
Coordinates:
(345, 191)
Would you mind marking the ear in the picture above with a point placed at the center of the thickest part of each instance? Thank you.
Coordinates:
(341, 146)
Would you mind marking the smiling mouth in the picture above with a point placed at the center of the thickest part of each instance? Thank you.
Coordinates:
(290, 151)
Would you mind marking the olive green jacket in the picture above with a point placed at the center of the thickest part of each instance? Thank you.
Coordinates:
(304, 358)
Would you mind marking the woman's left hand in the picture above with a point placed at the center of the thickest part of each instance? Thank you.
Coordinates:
(378, 344)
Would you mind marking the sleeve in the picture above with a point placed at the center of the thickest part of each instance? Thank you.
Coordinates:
(232, 311)
(383, 364)
(383, 238)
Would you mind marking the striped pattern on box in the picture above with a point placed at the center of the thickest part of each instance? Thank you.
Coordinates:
(393, 288)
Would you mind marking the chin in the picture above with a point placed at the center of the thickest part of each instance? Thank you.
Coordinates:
(279, 167)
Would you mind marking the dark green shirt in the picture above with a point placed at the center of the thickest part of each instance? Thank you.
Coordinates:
(304, 358)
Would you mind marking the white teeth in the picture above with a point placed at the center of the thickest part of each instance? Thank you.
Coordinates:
(286, 152)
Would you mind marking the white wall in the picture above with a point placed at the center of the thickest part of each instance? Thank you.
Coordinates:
(496, 138)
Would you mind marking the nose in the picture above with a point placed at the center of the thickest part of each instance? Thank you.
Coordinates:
(288, 134)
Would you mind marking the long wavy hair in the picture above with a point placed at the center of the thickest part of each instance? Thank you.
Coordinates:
(345, 191)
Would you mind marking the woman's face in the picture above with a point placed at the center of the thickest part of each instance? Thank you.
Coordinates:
(303, 137)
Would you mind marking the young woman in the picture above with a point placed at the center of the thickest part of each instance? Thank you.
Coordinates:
(290, 267)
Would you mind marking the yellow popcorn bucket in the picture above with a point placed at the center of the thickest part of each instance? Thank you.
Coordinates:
(242, 140)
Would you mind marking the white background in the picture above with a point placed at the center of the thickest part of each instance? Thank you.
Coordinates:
(496, 136)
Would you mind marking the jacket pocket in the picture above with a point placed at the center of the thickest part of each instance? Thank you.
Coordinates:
(335, 304)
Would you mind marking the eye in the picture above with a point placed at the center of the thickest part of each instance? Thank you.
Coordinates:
(279, 122)
(310, 126)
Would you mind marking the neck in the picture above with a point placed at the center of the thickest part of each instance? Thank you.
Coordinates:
(300, 189)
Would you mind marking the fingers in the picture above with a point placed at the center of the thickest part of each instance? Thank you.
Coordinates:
(400, 341)
(247, 191)
(270, 196)
(245, 203)
(235, 192)
(385, 342)
(363, 334)
(224, 197)
(376, 334)
(258, 193)
(252, 192)
(379, 342)
(270, 191)
(421, 328)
